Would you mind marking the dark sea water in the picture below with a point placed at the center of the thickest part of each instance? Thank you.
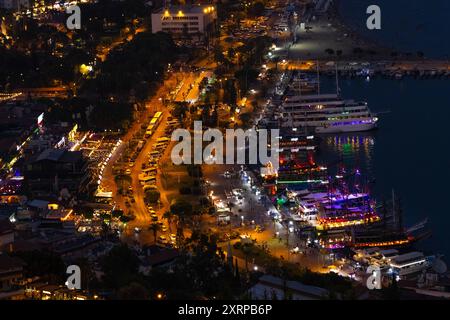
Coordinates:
(407, 25)
(409, 152)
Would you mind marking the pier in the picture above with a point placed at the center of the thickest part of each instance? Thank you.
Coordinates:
(395, 68)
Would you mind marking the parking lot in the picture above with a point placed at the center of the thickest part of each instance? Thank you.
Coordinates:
(145, 173)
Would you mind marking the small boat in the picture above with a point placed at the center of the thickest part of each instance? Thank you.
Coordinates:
(398, 76)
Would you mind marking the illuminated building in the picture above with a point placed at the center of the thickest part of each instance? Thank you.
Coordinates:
(185, 20)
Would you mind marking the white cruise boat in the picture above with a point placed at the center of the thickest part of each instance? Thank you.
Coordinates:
(326, 113)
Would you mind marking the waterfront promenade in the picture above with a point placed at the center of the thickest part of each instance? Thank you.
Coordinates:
(422, 67)
(321, 36)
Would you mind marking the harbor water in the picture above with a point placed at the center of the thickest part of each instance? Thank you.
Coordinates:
(406, 25)
(407, 153)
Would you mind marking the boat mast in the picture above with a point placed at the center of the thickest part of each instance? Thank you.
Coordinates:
(300, 93)
(393, 208)
(318, 78)
(299, 83)
(399, 215)
(337, 78)
(306, 125)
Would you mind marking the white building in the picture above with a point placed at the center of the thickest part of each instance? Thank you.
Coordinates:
(185, 20)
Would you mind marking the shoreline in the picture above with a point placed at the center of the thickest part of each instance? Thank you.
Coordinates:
(406, 65)
(401, 55)
(330, 38)
(338, 19)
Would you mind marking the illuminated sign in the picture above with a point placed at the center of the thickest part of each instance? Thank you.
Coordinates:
(40, 119)
(61, 142)
(72, 133)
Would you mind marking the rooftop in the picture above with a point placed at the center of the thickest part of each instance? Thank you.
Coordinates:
(277, 285)
(160, 255)
(37, 203)
(189, 9)
(59, 155)
(8, 263)
(23, 245)
(6, 226)
(410, 256)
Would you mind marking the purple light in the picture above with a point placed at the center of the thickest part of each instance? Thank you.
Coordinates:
(352, 123)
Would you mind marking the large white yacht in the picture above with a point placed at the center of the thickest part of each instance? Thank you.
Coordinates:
(326, 113)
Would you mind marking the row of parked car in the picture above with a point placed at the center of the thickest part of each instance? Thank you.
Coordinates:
(147, 177)
(149, 170)
(162, 239)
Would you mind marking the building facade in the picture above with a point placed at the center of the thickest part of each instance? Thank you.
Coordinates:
(6, 232)
(10, 271)
(55, 169)
(185, 20)
(14, 4)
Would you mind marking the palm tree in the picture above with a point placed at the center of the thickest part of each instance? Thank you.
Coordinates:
(183, 210)
(154, 227)
(168, 215)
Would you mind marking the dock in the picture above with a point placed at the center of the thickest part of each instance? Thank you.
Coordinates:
(394, 68)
